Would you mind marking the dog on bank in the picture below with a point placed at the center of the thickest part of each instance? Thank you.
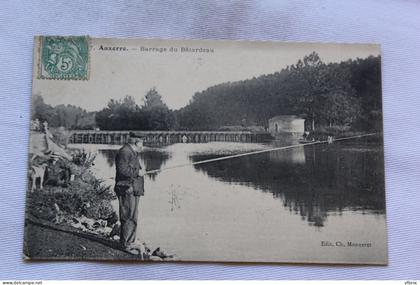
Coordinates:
(38, 171)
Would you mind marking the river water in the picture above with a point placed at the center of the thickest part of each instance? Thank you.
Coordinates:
(275, 206)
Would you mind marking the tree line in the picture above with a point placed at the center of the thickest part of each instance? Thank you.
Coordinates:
(346, 94)
(67, 116)
(335, 95)
(125, 114)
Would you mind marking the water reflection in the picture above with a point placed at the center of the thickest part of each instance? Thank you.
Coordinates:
(153, 158)
(231, 209)
(311, 181)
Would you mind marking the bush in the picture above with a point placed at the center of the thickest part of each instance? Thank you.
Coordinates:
(85, 196)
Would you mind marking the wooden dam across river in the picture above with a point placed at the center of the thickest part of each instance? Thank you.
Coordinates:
(165, 137)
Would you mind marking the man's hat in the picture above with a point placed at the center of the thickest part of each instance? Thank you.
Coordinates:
(133, 138)
(133, 135)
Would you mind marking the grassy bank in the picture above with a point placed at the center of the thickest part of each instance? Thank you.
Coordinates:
(63, 243)
(323, 133)
(70, 197)
(71, 217)
(69, 200)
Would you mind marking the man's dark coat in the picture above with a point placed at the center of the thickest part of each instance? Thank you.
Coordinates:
(128, 166)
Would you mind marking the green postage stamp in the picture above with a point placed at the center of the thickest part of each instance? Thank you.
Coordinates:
(64, 58)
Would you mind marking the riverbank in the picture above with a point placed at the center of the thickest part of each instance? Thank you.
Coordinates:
(67, 202)
(61, 243)
(77, 221)
(323, 133)
(54, 234)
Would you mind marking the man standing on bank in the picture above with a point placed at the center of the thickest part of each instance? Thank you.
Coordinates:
(129, 186)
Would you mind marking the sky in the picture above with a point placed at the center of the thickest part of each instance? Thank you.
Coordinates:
(178, 75)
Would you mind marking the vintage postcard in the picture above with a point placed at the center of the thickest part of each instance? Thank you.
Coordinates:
(208, 151)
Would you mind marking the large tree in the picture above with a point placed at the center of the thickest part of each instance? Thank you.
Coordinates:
(323, 93)
(125, 114)
(157, 114)
(309, 76)
(41, 111)
(121, 114)
(366, 80)
(339, 104)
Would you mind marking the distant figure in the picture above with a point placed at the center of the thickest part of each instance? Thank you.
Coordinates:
(330, 139)
(129, 186)
(184, 139)
(58, 172)
(35, 125)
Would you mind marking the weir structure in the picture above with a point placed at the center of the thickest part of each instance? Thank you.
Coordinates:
(165, 137)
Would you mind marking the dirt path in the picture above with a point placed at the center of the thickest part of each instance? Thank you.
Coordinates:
(46, 242)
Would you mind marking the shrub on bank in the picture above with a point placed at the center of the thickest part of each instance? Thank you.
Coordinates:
(85, 196)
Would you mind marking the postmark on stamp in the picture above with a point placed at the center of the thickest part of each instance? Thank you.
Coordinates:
(64, 58)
